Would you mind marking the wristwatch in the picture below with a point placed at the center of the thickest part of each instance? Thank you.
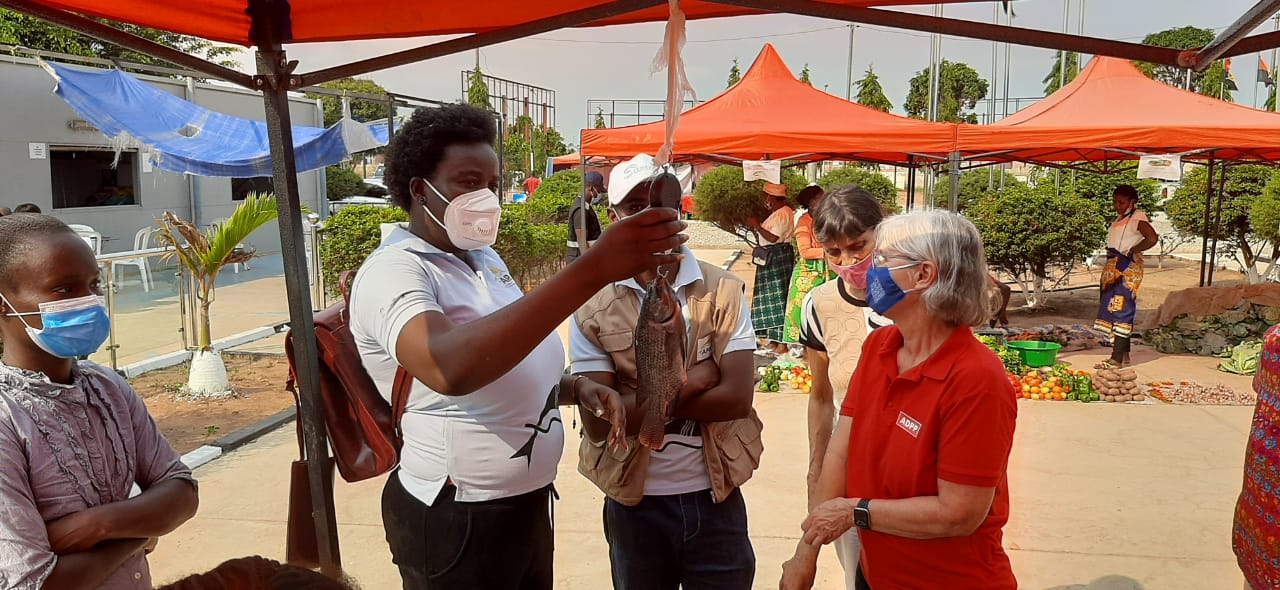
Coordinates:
(862, 514)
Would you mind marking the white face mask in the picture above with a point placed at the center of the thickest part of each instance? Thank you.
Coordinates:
(470, 219)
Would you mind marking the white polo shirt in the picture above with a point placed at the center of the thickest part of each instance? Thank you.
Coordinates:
(504, 439)
(679, 467)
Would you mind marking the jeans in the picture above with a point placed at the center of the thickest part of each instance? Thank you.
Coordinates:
(682, 541)
(503, 544)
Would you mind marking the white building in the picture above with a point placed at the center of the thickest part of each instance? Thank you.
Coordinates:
(51, 157)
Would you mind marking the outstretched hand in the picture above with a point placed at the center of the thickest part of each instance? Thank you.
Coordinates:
(637, 244)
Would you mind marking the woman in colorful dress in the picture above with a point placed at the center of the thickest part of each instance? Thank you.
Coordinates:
(811, 264)
(775, 259)
(1256, 534)
(1130, 235)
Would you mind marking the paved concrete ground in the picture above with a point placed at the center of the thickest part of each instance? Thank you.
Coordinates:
(1105, 497)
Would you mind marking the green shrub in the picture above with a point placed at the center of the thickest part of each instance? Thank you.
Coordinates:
(1034, 234)
(350, 237)
(726, 200)
(874, 182)
(340, 183)
(554, 198)
(532, 251)
(973, 186)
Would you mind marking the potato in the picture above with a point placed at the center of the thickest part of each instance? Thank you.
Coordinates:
(1139, 398)
(1109, 374)
(1115, 391)
(1108, 398)
(1129, 386)
(1128, 374)
(1124, 398)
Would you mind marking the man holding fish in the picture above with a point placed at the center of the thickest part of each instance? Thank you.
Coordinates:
(678, 344)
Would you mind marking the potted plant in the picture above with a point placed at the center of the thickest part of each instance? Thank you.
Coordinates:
(204, 254)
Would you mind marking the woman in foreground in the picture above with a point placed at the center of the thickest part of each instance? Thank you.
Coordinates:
(919, 457)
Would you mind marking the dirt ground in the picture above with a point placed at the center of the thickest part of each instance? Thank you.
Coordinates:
(259, 385)
(1080, 305)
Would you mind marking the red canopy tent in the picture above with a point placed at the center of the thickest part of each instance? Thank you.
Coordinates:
(270, 24)
(1111, 111)
(770, 114)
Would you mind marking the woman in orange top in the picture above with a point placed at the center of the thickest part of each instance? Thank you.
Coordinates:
(811, 268)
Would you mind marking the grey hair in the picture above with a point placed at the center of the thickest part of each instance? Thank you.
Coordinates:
(950, 242)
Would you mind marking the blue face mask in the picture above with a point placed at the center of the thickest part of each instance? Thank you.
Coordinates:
(883, 293)
(72, 328)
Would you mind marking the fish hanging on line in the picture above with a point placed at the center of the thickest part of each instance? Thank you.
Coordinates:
(660, 359)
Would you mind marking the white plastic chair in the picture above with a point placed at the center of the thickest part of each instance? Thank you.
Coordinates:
(141, 241)
(89, 235)
(235, 267)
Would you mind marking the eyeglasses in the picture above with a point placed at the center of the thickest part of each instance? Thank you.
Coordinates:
(882, 261)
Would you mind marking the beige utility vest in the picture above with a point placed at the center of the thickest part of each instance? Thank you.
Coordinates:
(732, 448)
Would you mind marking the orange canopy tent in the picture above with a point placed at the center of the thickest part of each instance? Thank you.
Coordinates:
(232, 21)
(770, 114)
(1111, 111)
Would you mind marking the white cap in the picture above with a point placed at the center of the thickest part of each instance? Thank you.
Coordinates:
(628, 175)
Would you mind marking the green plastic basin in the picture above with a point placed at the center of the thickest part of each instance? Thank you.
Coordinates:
(1035, 353)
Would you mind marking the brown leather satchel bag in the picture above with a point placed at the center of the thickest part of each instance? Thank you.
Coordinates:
(364, 430)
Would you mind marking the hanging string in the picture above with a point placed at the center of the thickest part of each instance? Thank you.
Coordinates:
(669, 57)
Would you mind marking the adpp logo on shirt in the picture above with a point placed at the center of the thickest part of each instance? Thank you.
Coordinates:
(909, 424)
(504, 277)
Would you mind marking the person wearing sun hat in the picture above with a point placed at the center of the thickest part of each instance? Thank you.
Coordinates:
(775, 259)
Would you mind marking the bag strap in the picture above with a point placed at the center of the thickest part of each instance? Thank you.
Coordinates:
(400, 400)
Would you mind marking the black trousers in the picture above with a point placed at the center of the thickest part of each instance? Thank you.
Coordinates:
(859, 582)
(503, 544)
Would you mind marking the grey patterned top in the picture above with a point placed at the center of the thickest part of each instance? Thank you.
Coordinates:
(66, 448)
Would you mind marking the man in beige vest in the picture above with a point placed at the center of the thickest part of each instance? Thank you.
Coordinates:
(673, 517)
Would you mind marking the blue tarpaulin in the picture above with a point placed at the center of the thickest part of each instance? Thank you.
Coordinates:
(188, 138)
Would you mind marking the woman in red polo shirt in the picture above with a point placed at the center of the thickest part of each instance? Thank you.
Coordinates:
(918, 459)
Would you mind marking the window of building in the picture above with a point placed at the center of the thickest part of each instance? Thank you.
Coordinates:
(85, 177)
(243, 187)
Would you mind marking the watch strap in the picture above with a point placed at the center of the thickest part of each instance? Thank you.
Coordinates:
(862, 514)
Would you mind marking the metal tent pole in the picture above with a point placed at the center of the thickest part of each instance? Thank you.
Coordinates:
(911, 183)
(273, 79)
(1204, 243)
(955, 181)
(1217, 222)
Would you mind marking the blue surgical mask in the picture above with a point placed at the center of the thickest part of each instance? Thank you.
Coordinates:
(883, 293)
(71, 328)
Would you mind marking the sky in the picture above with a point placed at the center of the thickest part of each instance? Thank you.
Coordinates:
(613, 62)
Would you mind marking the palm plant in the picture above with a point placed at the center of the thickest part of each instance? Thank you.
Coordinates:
(204, 254)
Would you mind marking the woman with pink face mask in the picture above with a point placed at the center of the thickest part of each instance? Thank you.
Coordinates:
(835, 322)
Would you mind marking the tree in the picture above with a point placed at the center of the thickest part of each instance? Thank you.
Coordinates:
(599, 122)
(871, 93)
(974, 184)
(1236, 233)
(1208, 82)
(26, 31)
(1034, 234)
(1053, 80)
(735, 74)
(874, 182)
(723, 198)
(361, 109)
(959, 90)
(804, 75)
(526, 140)
(1264, 217)
(478, 90)
(1101, 188)
(204, 254)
